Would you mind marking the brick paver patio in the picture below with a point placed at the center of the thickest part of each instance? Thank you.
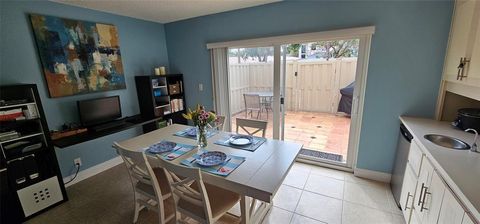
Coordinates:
(323, 132)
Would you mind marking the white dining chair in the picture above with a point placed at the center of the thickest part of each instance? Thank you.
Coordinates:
(205, 203)
(256, 125)
(150, 186)
(220, 122)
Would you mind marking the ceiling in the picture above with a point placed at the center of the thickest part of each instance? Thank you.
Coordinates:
(165, 11)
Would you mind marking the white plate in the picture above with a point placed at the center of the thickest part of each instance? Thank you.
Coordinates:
(240, 141)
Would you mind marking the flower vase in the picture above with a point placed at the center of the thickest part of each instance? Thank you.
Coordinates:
(202, 136)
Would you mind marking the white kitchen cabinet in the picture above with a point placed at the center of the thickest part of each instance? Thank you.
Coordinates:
(415, 156)
(432, 199)
(467, 219)
(462, 40)
(423, 185)
(408, 193)
(460, 35)
(413, 219)
(451, 211)
(473, 77)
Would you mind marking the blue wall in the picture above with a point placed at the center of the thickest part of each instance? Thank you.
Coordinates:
(142, 45)
(405, 66)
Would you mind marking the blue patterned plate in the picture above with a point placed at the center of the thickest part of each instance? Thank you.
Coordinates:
(241, 140)
(211, 158)
(161, 147)
(192, 132)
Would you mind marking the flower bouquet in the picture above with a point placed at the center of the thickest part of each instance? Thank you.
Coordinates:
(201, 119)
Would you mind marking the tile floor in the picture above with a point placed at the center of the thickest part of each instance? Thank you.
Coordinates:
(317, 131)
(309, 195)
(316, 195)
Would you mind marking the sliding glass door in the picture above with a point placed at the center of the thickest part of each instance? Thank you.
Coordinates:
(251, 78)
(317, 85)
(309, 88)
(303, 91)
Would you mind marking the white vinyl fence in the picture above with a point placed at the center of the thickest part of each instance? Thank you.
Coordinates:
(310, 85)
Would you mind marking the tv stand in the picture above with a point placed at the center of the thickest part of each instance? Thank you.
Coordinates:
(118, 126)
(105, 126)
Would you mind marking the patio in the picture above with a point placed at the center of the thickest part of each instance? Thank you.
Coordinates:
(323, 132)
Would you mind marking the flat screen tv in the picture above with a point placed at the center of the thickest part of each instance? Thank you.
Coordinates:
(100, 110)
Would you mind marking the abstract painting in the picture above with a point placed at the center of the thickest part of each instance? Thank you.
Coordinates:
(77, 56)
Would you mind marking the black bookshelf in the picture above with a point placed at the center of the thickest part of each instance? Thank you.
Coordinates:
(161, 96)
(31, 181)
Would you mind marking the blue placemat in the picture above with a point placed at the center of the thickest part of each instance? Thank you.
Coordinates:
(184, 133)
(178, 150)
(224, 169)
(257, 142)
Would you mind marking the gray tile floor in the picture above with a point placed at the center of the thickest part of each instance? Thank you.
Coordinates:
(309, 194)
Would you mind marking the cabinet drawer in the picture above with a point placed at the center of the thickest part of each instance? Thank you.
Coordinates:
(408, 193)
(415, 157)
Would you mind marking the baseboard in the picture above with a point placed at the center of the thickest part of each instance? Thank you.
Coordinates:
(372, 175)
(92, 171)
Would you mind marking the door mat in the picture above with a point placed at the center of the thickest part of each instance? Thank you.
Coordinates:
(321, 155)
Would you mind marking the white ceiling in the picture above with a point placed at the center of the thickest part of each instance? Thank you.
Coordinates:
(165, 11)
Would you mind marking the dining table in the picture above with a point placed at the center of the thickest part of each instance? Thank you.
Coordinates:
(256, 180)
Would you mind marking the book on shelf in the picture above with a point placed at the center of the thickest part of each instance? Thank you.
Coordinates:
(177, 105)
(4, 136)
(12, 114)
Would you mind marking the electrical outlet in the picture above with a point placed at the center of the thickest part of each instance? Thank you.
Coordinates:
(200, 87)
(77, 161)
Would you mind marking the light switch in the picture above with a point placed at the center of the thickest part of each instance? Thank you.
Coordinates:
(200, 87)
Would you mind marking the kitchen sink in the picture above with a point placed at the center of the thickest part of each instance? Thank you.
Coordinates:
(448, 142)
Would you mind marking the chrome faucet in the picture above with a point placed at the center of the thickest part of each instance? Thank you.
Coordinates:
(474, 144)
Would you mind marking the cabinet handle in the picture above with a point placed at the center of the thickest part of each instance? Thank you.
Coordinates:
(420, 197)
(406, 202)
(423, 200)
(461, 68)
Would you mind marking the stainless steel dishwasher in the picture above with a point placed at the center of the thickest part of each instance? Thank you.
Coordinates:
(403, 147)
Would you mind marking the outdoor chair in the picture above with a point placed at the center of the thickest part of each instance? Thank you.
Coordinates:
(252, 103)
(267, 104)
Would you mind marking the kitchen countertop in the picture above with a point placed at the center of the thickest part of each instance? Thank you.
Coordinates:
(459, 168)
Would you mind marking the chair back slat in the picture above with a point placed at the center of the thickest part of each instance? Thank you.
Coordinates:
(138, 168)
(140, 171)
(183, 180)
(257, 125)
(135, 163)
